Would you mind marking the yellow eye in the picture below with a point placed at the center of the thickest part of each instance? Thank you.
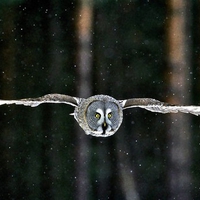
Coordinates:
(109, 115)
(97, 115)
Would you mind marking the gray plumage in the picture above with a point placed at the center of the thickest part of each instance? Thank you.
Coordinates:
(102, 115)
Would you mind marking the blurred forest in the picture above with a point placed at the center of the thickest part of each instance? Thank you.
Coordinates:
(123, 48)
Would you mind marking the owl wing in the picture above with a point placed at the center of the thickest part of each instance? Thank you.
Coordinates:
(49, 98)
(154, 105)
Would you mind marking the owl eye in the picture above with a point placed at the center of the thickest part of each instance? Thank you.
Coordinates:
(109, 115)
(97, 115)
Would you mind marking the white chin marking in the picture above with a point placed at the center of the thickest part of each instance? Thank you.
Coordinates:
(100, 134)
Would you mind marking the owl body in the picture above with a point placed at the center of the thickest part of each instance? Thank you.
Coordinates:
(99, 115)
(102, 115)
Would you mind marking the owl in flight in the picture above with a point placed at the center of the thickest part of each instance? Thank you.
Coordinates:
(102, 115)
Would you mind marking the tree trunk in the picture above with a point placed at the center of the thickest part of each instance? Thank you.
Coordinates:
(84, 64)
(126, 171)
(179, 63)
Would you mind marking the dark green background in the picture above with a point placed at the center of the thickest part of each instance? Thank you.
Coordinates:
(38, 145)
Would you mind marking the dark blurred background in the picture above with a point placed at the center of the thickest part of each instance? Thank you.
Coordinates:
(124, 48)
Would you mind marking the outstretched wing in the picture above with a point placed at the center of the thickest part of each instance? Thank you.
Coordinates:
(154, 105)
(49, 98)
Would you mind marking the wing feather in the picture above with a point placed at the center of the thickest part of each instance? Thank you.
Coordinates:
(49, 98)
(154, 105)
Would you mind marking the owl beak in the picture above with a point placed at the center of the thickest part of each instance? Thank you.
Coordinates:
(104, 127)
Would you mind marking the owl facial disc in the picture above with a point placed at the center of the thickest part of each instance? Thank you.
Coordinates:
(103, 118)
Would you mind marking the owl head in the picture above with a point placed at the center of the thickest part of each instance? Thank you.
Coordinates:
(99, 115)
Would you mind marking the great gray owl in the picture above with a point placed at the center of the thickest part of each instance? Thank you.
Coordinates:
(102, 115)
